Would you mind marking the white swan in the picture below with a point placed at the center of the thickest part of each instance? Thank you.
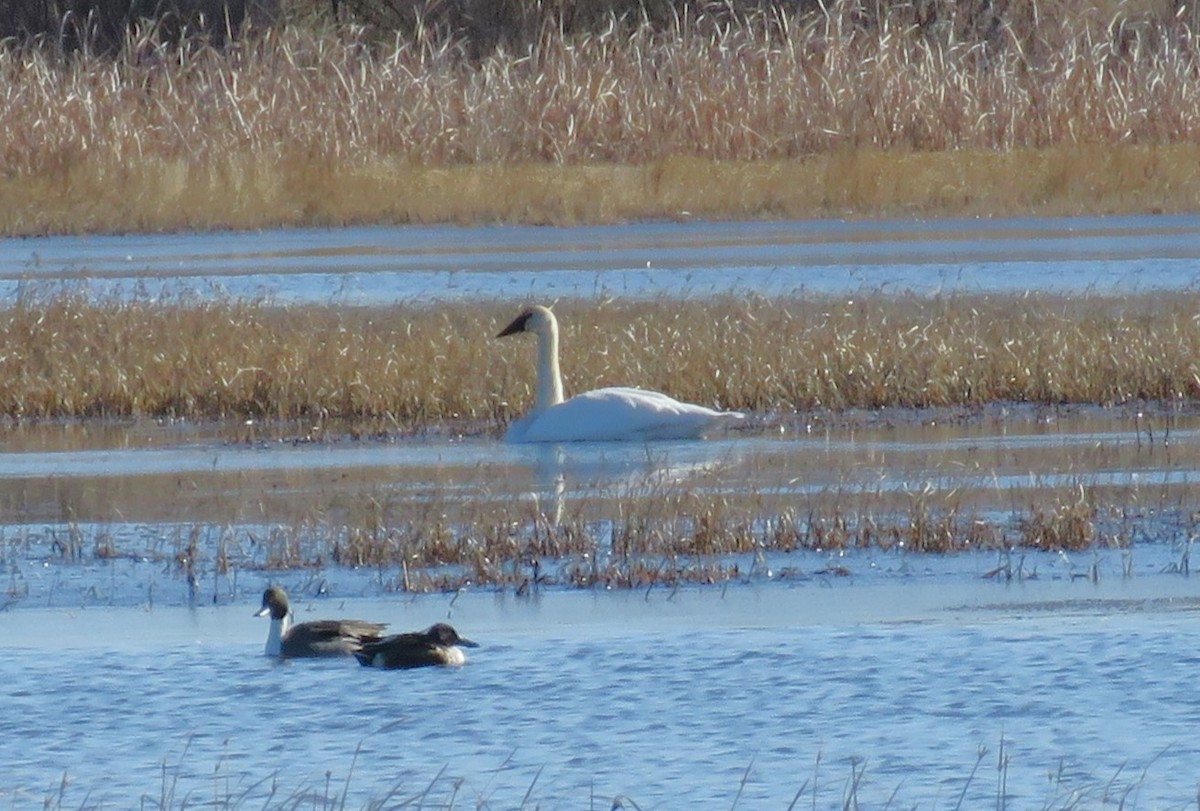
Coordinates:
(611, 414)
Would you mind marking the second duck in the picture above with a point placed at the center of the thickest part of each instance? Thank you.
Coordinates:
(439, 645)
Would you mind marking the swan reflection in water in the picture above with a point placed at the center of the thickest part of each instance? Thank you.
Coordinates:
(563, 472)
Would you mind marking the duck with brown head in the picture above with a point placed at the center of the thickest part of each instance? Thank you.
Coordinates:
(316, 638)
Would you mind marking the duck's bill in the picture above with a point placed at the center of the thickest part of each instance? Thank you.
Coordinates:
(262, 612)
(466, 643)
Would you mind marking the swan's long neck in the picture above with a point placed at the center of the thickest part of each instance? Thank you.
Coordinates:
(275, 635)
(549, 379)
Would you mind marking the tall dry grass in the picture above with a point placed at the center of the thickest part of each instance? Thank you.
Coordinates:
(773, 114)
(70, 356)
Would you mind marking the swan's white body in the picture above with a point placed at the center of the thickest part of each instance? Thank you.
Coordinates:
(611, 414)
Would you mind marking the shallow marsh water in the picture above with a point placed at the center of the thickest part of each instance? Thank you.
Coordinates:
(1079, 673)
(425, 264)
(997, 459)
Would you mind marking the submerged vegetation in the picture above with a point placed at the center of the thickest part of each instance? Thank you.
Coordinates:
(830, 110)
(664, 538)
(412, 369)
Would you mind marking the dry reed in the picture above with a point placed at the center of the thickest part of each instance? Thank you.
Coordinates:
(414, 369)
(773, 115)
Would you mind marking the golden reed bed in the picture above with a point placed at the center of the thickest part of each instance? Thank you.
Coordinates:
(65, 355)
(1084, 109)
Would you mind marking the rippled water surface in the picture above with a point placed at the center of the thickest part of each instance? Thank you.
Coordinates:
(671, 700)
(886, 678)
(379, 265)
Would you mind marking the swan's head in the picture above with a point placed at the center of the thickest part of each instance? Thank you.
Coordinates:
(536, 319)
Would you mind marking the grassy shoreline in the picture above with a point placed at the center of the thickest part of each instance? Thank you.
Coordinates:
(240, 192)
(772, 117)
(68, 356)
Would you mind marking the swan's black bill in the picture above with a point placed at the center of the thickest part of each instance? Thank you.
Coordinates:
(518, 324)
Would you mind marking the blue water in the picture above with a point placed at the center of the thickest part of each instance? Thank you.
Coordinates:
(671, 700)
(425, 264)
